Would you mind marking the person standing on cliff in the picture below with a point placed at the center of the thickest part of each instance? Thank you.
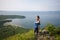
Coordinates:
(37, 23)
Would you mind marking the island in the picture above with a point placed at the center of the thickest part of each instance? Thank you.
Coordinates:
(2, 17)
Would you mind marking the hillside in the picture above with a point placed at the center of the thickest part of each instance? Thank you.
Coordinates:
(7, 31)
(24, 36)
(18, 33)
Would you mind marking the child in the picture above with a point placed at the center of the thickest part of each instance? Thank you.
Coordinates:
(37, 23)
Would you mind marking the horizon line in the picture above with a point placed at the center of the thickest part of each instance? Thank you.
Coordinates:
(22, 10)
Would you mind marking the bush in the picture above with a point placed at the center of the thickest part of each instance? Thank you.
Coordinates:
(50, 28)
(57, 30)
(57, 37)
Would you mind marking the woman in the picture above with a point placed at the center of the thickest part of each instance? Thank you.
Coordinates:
(37, 23)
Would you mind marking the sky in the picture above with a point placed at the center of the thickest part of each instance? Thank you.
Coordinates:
(30, 5)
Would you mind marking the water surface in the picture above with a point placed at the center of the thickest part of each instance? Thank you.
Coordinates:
(52, 17)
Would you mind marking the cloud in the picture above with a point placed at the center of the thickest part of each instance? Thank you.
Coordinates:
(30, 5)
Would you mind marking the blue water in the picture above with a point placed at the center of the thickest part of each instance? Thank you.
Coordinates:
(46, 17)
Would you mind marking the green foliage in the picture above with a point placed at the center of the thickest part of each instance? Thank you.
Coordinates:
(6, 31)
(24, 36)
(57, 30)
(18, 33)
(50, 28)
(57, 37)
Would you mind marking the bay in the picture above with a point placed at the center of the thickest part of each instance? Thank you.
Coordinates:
(46, 17)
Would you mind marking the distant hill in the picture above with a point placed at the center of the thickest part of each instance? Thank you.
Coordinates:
(11, 17)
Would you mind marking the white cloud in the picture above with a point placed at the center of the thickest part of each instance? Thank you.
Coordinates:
(29, 5)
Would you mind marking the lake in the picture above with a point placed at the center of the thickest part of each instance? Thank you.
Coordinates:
(46, 17)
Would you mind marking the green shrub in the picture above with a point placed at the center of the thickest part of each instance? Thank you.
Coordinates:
(50, 28)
